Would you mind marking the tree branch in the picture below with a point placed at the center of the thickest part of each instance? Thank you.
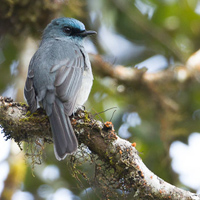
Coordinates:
(101, 139)
(154, 85)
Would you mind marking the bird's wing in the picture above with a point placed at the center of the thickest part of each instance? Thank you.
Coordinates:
(29, 92)
(68, 80)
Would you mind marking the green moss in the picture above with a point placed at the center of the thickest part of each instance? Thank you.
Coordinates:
(22, 104)
(24, 120)
(28, 113)
(111, 160)
(34, 117)
(86, 116)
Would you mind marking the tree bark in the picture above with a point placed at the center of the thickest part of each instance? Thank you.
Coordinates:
(19, 124)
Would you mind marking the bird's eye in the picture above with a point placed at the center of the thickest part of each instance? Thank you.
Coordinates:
(67, 30)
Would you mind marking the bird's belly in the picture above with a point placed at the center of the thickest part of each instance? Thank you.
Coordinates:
(85, 89)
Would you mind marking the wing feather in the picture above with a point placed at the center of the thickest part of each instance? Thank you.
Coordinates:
(62, 73)
(68, 82)
(60, 64)
(29, 92)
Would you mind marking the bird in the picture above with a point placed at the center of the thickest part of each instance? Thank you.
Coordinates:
(60, 79)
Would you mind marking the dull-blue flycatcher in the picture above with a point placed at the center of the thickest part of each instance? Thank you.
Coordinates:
(60, 79)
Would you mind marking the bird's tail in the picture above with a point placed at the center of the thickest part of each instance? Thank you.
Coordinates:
(65, 141)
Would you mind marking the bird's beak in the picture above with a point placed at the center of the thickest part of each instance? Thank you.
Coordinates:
(86, 33)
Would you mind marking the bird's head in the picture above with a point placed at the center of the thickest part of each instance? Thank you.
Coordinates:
(66, 28)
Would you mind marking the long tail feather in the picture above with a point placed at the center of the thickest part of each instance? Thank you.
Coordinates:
(65, 141)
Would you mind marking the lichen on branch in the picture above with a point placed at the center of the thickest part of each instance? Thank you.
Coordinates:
(117, 158)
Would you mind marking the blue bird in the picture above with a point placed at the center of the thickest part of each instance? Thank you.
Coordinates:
(60, 79)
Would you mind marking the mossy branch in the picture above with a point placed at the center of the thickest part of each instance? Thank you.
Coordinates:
(101, 139)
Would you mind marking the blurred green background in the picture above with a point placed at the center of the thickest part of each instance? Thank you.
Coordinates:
(129, 32)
